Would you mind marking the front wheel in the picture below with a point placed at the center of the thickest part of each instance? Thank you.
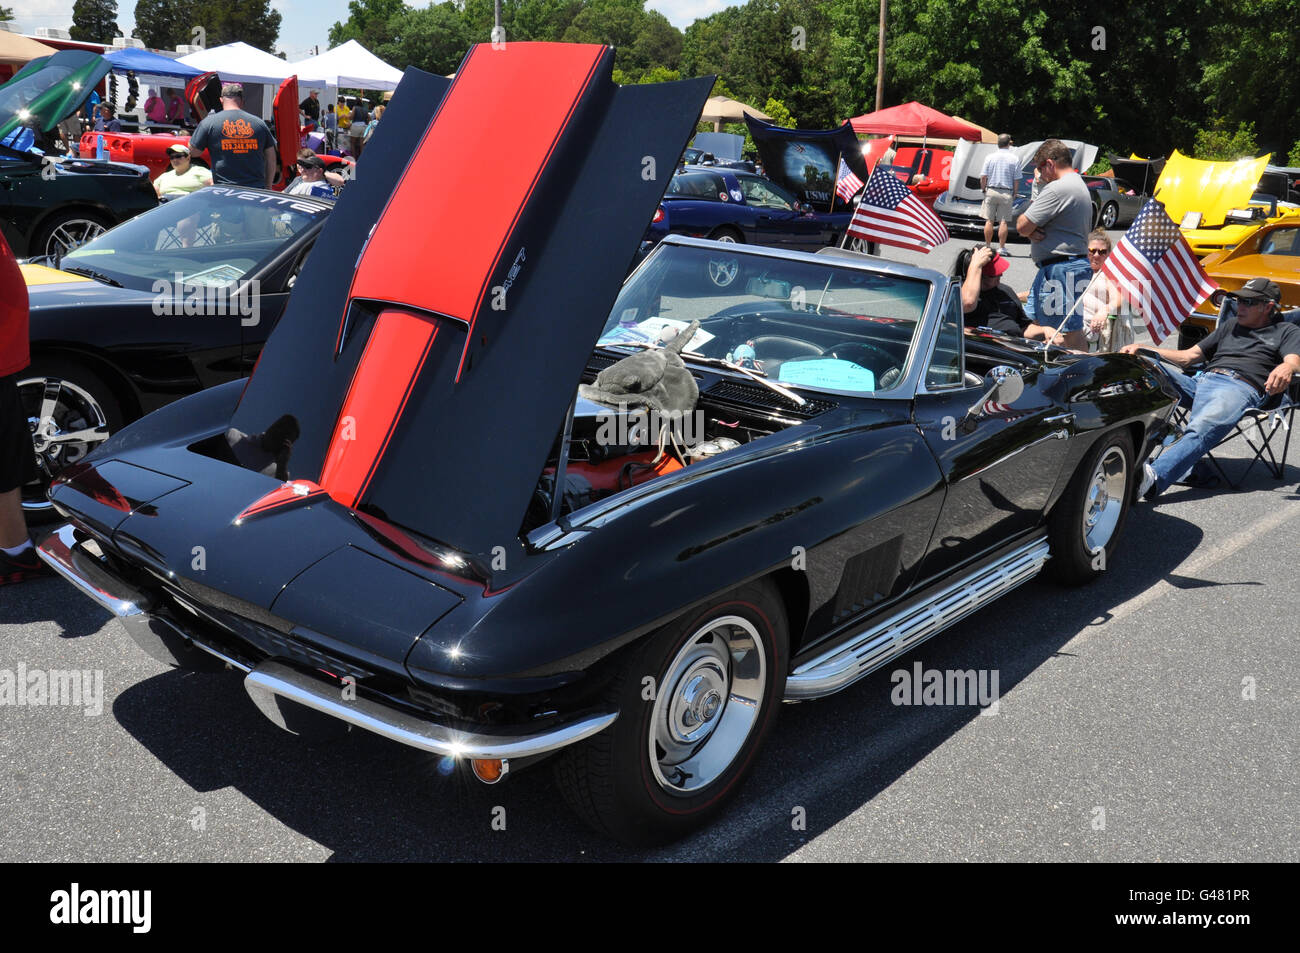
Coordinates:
(1087, 521)
(70, 411)
(66, 231)
(695, 701)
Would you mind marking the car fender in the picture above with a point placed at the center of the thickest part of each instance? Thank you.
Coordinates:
(678, 540)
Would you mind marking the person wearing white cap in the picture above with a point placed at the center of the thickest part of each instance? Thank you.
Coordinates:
(183, 177)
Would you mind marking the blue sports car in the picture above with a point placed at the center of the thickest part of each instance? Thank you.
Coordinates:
(728, 205)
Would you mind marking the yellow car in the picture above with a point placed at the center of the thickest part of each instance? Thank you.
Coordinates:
(1272, 252)
(1215, 203)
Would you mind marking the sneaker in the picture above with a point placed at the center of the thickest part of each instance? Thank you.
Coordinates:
(26, 565)
(1146, 489)
(1003, 251)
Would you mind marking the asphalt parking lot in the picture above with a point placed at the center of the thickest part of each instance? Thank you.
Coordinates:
(1151, 716)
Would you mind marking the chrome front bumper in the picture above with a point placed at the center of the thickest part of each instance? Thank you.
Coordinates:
(271, 684)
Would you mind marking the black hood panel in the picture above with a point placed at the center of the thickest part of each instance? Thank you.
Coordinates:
(430, 367)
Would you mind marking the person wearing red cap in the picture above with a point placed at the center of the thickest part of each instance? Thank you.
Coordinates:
(18, 559)
(985, 303)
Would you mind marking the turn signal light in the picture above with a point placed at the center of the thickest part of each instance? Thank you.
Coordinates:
(490, 770)
(659, 216)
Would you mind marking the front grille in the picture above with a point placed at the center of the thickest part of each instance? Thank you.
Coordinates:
(753, 395)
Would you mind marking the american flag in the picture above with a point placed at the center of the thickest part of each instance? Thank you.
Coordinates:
(847, 184)
(1154, 264)
(892, 215)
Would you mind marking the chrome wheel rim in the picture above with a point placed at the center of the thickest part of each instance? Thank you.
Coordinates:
(1105, 501)
(860, 245)
(66, 423)
(1108, 216)
(72, 233)
(709, 705)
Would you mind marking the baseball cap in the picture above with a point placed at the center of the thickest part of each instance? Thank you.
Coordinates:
(1260, 289)
(312, 162)
(996, 266)
(178, 149)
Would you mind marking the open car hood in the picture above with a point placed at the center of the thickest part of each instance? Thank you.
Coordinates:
(284, 116)
(203, 93)
(49, 89)
(1211, 188)
(807, 161)
(437, 334)
(1142, 174)
(968, 162)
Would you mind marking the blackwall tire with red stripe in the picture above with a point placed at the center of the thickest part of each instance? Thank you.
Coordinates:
(695, 701)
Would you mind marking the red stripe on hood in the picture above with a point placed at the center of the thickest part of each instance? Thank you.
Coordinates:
(380, 388)
(472, 175)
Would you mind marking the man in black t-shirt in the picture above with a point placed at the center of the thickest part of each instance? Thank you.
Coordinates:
(986, 304)
(1251, 357)
(240, 144)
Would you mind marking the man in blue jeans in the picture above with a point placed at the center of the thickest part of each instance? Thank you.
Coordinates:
(1251, 356)
(1057, 223)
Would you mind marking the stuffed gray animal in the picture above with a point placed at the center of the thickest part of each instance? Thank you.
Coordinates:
(654, 378)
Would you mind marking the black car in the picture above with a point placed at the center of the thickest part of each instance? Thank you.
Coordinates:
(178, 299)
(1115, 203)
(49, 204)
(483, 545)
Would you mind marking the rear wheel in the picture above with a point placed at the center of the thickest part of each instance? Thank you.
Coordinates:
(695, 701)
(1087, 521)
(1109, 215)
(70, 412)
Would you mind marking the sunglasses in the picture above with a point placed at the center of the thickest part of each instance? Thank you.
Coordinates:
(1098, 251)
(176, 155)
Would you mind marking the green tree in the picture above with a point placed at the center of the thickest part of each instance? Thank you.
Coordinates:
(94, 21)
(433, 39)
(1249, 68)
(225, 21)
(1293, 159)
(165, 24)
(6, 14)
(1219, 143)
(367, 23)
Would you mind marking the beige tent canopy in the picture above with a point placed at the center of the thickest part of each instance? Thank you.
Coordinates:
(16, 50)
(720, 109)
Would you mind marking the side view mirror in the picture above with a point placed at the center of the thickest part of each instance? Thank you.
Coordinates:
(1007, 386)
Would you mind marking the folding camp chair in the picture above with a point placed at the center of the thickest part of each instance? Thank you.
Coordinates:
(1258, 426)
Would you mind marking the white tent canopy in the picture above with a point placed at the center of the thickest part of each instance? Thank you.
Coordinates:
(240, 63)
(350, 66)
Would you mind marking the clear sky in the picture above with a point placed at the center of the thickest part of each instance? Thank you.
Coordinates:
(305, 23)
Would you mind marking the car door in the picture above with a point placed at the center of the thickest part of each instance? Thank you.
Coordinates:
(779, 218)
(999, 461)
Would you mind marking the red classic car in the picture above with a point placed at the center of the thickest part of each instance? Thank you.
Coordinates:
(203, 95)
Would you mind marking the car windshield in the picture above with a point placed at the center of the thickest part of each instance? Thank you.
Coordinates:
(211, 237)
(817, 325)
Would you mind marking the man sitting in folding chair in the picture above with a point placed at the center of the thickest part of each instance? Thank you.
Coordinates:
(1251, 357)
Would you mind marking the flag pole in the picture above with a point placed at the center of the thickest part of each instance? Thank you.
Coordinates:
(1077, 301)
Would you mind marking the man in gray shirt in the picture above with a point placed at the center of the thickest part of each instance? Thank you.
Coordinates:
(1057, 224)
(240, 145)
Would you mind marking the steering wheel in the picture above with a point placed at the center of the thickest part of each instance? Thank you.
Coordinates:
(870, 356)
(863, 354)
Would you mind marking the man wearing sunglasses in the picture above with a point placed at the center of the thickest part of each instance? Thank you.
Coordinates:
(1251, 355)
(1056, 224)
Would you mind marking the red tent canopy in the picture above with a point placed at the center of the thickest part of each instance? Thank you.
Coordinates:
(915, 119)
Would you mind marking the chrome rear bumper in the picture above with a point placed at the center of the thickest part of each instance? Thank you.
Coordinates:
(271, 684)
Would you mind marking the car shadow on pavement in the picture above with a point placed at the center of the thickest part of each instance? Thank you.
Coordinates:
(51, 600)
(367, 799)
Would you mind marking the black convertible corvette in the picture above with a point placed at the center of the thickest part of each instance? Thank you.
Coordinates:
(50, 205)
(181, 298)
(463, 554)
